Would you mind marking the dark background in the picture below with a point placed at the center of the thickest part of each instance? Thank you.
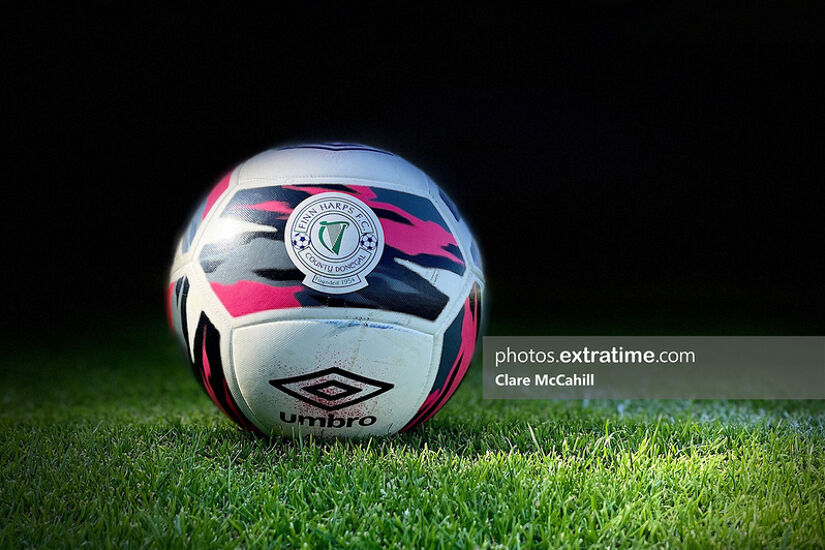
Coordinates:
(626, 166)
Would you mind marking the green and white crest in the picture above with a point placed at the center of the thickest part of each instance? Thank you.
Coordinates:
(335, 240)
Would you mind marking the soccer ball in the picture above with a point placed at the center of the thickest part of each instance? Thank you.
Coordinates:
(328, 289)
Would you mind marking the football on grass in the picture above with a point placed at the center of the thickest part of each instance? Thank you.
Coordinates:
(328, 289)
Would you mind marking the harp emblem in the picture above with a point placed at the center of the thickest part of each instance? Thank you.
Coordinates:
(330, 235)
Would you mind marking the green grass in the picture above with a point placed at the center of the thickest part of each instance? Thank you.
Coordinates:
(111, 443)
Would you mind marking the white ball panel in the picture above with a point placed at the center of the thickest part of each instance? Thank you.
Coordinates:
(370, 357)
(309, 165)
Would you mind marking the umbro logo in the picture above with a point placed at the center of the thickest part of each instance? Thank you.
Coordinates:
(331, 389)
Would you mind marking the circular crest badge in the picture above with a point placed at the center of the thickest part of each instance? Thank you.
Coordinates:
(335, 240)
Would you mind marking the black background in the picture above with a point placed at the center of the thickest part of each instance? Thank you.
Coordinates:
(626, 167)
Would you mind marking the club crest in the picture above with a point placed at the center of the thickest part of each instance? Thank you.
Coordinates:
(335, 240)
